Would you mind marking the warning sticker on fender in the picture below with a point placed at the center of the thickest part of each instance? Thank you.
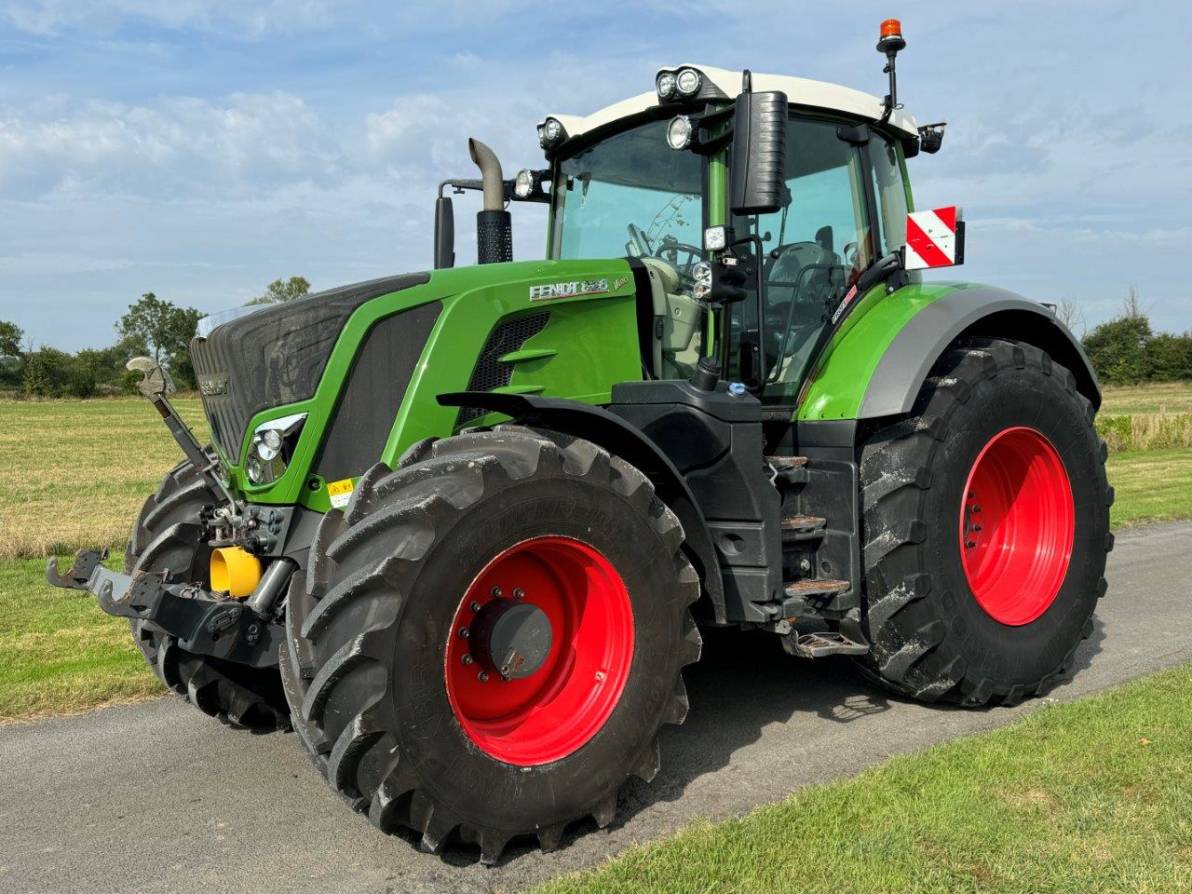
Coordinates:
(340, 492)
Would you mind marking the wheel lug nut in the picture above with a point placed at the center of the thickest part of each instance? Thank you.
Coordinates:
(464, 632)
(970, 544)
(467, 659)
(496, 592)
(519, 593)
(976, 527)
(475, 606)
(482, 676)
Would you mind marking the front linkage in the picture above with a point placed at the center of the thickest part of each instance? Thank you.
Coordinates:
(204, 623)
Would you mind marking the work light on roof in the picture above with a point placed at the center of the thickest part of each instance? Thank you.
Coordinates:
(666, 85)
(688, 81)
(551, 133)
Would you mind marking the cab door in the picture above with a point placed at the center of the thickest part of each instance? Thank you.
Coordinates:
(830, 229)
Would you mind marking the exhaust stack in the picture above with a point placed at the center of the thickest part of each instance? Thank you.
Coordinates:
(494, 225)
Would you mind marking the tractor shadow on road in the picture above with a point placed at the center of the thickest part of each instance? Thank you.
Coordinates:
(742, 684)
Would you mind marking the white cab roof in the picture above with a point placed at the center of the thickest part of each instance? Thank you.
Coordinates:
(799, 91)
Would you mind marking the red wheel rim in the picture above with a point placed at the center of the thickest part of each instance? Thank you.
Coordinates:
(1017, 525)
(558, 708)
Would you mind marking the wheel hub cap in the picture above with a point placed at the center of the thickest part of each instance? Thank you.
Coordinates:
(511, 638)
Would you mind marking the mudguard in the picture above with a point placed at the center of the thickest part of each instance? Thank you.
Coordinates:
(976, 311)
(617, 436)
(876, 367)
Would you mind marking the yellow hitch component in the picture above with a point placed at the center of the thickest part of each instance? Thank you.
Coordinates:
(234, 571)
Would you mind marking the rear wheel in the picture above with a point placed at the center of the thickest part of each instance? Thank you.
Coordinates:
(166, 537)
(490, 639)
(986, 527)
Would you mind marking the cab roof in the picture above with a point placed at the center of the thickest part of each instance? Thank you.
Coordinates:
(799, 91)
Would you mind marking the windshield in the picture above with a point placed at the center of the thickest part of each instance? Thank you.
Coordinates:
(630, 195)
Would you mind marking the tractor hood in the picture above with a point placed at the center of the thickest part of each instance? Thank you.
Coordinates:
(276, 355)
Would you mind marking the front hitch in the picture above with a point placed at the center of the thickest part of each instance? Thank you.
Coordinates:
(203, 623)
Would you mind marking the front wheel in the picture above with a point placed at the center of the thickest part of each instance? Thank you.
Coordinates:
(986, 527)
(491, 637)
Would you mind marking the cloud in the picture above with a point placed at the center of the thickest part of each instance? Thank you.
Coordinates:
(50, 17)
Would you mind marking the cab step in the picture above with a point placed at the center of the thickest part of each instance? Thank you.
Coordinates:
(815, 587)
(803, 527)
(823, 645)
(787, 462)
(788, 469)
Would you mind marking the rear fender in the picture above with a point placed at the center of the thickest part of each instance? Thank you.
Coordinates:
(978, 311)
(876, 367)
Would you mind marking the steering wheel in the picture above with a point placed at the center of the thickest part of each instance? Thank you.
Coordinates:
(680, 255)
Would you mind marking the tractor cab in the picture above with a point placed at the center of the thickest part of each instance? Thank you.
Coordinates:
(635, 180)
(675, 180)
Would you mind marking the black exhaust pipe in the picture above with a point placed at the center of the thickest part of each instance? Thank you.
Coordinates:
(494, 225)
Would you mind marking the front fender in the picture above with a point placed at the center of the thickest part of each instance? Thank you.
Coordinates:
(617, 436)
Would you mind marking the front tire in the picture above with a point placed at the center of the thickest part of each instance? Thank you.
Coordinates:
(389, 655)
(985, 529)
(167, 537)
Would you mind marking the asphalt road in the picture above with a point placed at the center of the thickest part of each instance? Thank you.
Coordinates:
(157, 797)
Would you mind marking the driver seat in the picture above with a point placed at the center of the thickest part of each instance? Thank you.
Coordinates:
(676, 317)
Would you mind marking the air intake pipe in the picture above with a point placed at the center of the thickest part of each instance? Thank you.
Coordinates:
(494, 225)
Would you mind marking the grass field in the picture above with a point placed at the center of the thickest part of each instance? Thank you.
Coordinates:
(1158, 397)
(75, 472)
(1094, 795)
(62, 654)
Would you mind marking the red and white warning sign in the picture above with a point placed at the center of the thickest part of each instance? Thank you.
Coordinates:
(934, 238)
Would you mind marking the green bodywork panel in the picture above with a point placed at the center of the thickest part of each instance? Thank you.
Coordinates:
(589, 344)
(841, 376)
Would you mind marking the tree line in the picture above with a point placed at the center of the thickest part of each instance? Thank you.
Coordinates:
(152, 327)
(1123, 351)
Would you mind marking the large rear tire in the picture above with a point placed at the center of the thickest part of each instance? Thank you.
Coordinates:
(166, 537)
(985, 529)
(390, 660)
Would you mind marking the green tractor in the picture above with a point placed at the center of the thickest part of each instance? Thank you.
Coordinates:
(460, 529)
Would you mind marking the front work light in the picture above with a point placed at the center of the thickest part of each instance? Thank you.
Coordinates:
(715, 239)
(678, 132)
(523, 185)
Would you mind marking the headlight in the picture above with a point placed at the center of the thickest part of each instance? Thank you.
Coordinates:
(272, 448)
(688, 81)
(678, 132)
(665, 85)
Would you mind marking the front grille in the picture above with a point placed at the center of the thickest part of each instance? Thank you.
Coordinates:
(275, 356)
(489, 372)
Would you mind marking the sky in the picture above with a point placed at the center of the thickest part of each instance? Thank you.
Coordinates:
(201, 148)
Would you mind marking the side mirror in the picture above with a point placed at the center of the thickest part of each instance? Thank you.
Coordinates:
(759, 153)
(444, 233)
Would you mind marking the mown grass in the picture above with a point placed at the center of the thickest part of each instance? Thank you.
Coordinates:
(1094, 795)
(61, 654)
(74, 473)
(1153, 485)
